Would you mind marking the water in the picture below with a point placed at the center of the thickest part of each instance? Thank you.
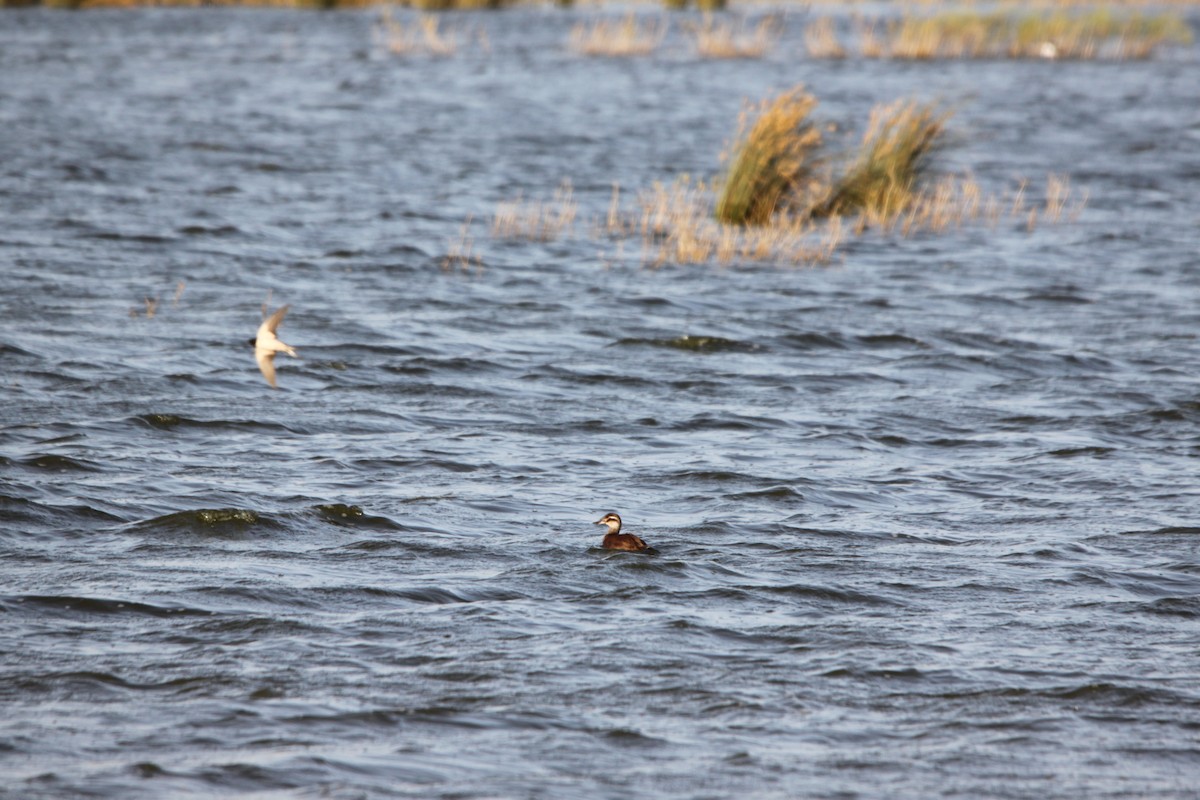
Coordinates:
(926, 519)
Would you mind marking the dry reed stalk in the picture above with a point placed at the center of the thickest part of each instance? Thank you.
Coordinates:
(613, 38)
(951, 201)
(914, 41)
(666, 207)
(725, 40)
(1058, 189)
(869, 44)
(1018, 203)
(774, 160)
(1058, 196)
(677, 228)
(461, 255)
(613, 220)
(954, 201)
(881, 183)
(536, 221)
(425, 38)
(821, 41)
(151, 306)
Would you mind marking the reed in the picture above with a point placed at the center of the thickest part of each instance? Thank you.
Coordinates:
(713, 39)
(953, 201)
(870, 45)
(702, 5)
(425, 37)
(456, 5)
(676, 227)
(460, 257)
(536, 221)
(617, 38)
(773, 161)
(821, 40)
(882, 181)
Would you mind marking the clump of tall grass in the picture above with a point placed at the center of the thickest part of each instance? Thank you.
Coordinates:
(774, 159)
(725, 40)
(882, 180)
(536, 221)
(1098, 33)
(624, 37)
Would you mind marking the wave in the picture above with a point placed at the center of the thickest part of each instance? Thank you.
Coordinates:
(68, 605)
(352, 517)
(695, 344)
(168, 421)
(30, 514)
(209, 523)
(56, 463)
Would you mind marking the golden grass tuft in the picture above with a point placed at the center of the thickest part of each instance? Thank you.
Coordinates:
(618, 37)
(774, 159)
(536, 221)
(881, 182)
(714, 39)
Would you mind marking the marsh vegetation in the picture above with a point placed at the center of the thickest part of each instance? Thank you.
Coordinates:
(791, 196)
(1093, 33)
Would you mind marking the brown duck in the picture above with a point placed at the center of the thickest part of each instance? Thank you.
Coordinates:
(614, 539)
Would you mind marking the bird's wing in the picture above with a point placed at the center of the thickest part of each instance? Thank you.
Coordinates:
(272, 322)
(266, 363)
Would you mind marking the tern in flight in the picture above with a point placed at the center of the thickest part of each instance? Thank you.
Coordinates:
(266, 345)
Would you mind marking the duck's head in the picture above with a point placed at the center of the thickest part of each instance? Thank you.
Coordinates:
(612, 521)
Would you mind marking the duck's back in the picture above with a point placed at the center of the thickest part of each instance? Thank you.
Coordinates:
(623, 541)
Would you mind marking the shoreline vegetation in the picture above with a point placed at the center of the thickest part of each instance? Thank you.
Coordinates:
(1044, 29)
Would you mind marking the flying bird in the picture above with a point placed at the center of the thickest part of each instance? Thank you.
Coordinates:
(266, 345)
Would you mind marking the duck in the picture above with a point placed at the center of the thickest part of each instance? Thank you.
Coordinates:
(614, 539)
(266, 345)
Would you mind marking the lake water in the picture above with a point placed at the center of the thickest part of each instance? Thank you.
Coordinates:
(926, 519)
